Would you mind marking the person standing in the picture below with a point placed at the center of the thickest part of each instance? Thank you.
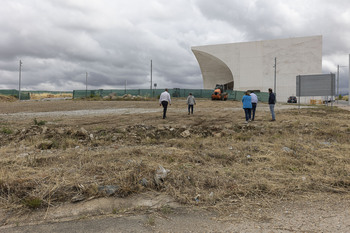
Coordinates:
(164, 100)
(247, 106)
(254, 103)
(190, 102)
(272, 101)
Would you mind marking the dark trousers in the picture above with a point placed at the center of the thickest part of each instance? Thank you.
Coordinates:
(190, 108)
(247, 112)
(165, 107)
(253, 110)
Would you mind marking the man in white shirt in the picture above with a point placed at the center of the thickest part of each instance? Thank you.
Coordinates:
(254, 103)
(164, 100)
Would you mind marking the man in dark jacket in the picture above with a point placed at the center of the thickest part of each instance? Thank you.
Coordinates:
(272, 101)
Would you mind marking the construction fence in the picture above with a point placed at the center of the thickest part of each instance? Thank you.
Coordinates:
(155, 93)
(13, 92)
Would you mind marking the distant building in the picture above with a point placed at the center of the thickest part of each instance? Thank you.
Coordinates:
(250, 65)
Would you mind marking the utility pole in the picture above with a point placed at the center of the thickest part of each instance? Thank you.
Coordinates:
(349, 82)
(338, 79)
(19, 83)
(337, 92)
(274, 85)
(151, 79)
(86, 85)
(151, 75)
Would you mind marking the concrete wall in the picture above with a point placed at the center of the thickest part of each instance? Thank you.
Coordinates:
(250, 64)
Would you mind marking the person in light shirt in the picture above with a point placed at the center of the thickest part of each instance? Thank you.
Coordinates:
(190, 102)
(254, 103)
(164, 100)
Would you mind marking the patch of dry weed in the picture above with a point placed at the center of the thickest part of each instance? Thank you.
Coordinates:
(219, 163)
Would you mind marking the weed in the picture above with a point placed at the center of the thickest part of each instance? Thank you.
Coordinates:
(166, 209)
(151, 141)
(6, 131)
(36, 122)
(262, 158)
(151, 220)
(33, 202)
(45, 145)
(242, 137)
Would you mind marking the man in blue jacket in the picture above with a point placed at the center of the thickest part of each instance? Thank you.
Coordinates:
(247, 106)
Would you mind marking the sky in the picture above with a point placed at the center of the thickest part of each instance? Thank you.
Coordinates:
(109, 44)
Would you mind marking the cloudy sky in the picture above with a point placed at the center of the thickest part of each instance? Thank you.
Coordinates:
(58, 41)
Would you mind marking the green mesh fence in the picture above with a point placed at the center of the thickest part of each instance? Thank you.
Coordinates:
(25, 95)
(175, 92)
(12, 92)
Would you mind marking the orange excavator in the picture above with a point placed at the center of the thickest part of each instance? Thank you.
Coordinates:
(219, 93)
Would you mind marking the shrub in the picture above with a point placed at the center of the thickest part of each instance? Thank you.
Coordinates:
(33, 202)
(6, 131)
(36, 122)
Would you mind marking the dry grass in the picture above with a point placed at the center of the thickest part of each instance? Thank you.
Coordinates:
(6, 98)
(223, 162)
(38, 96)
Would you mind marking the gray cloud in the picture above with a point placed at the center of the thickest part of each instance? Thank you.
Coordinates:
(60, 40)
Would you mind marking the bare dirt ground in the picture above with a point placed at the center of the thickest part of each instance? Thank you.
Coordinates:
(58, 158)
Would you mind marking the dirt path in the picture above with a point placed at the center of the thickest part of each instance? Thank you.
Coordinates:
(158, 213)
(69, 108)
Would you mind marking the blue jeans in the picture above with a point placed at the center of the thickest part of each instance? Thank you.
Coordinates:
(253, 110)
(247, 112)
(272, 110)
(190, 108)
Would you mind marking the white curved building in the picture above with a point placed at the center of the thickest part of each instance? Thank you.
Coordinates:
(250, 65)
